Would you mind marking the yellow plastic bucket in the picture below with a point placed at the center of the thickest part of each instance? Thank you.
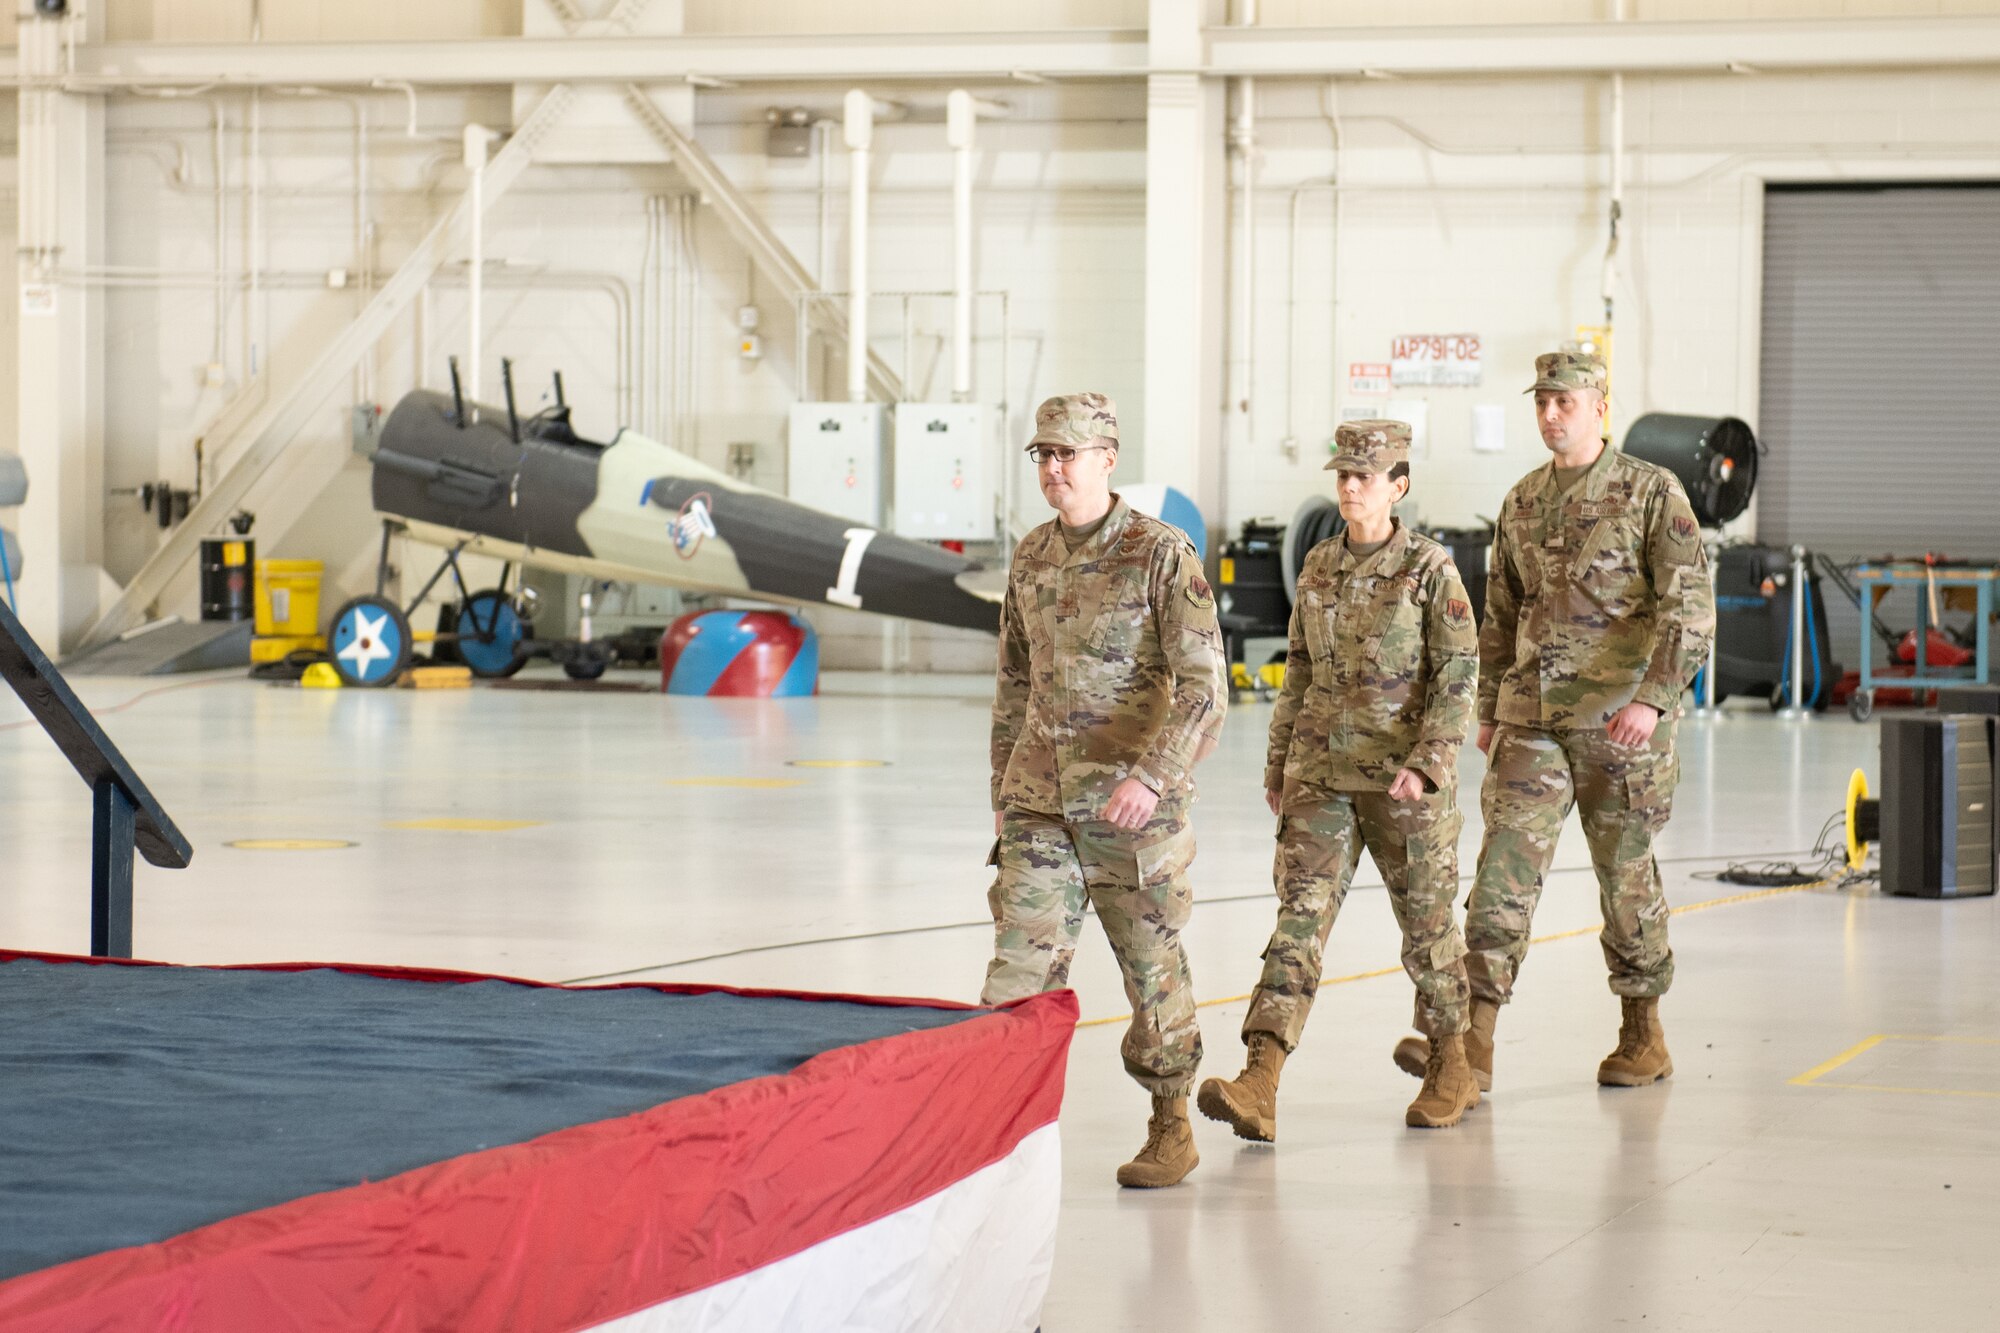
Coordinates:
(288, 597)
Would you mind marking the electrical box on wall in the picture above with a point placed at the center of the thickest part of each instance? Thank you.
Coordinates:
(836, 462)
(944, 472)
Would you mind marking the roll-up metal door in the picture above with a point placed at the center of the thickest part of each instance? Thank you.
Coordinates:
(1881, 370)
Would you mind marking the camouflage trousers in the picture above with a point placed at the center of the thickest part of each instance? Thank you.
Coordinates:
(1415, 846)
(1624, 795)
(1138, 883)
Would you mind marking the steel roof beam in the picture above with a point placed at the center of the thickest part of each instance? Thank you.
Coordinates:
(1098, 54)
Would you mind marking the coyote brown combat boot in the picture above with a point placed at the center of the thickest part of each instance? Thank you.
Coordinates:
(1248, 1103)
(1169, 1152)
(1413, 1054)
(1641, 1057)
(1450, 1090)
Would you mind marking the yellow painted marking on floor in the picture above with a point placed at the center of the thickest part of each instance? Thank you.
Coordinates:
(1859, 1048)
(754, 784)
(1238, 999)
(465, 825)
(1811, 1078)
(1969, 1041)
(288, 844)
(1918, 1092)
(837, 763)
(1756, 895)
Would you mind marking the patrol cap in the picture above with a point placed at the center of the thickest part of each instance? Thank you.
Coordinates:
(1566, 372)
(1076, 419)
(1369, 446)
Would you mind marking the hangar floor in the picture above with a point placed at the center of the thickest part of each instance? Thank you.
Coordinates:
(1827, 1155)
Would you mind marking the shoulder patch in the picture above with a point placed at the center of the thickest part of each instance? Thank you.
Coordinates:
(1457, 611)
(1199, 594)
(1684, 528)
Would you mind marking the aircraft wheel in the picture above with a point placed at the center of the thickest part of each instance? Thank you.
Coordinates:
(370, 642)
(490, 633)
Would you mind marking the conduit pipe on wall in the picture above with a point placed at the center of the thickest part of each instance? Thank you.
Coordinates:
(477, 138)
(363, 272)
(687, 266)
(1617, 180)
(858, 131)
(221, 126)
(961, 118)
(1243, 138)
(253, 258)
(1330, 107)
(1334, 189)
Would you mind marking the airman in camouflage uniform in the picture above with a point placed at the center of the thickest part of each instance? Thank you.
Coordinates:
(1598, 612)
(1378, 696)
(1111, 686)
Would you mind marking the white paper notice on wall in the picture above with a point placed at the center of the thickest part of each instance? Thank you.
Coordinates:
(38, 298)
(1445, 360)
(1489, 428)
(1415, 412)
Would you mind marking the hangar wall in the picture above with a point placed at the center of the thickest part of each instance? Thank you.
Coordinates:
(1471, 205)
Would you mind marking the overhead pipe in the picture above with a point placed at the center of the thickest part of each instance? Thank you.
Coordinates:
(961, 120)
(476, 139)
(254, 325)
(1617, 180)
(1243, 137)
(858, 129)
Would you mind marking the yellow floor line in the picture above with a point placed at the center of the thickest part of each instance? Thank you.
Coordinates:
(1755, 895)
(1859, 1048)
(749, 784)
(1921, 1092)
(1811, 1078)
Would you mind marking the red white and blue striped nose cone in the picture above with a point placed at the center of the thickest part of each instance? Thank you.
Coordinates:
(741, 654)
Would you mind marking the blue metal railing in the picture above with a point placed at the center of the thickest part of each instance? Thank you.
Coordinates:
(124, 816)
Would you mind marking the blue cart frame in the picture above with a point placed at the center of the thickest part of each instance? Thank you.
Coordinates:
(1924, 577)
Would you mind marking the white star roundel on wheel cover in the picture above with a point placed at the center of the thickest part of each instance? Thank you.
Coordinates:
(367, 646)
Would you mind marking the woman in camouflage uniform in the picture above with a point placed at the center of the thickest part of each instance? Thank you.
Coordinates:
(1380, 684)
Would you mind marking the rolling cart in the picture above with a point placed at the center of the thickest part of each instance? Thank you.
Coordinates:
(1927, 579)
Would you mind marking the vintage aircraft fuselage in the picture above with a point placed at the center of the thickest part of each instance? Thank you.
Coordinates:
(637, 510)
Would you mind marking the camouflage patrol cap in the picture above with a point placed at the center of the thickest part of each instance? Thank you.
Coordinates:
(1076, 419)
(1560, 372)
(1369, 446)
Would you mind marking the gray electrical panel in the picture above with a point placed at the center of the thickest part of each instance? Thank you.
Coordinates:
(944, 472)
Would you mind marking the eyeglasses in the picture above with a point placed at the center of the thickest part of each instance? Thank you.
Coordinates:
(1044, 454)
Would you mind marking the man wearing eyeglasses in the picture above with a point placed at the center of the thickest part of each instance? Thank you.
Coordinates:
(1111, 687)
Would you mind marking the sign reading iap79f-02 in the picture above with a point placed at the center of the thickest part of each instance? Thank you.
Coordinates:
(635, 510)
(1440, 359)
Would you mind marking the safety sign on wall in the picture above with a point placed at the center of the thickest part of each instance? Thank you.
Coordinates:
(1448, 360)
(1368, 377)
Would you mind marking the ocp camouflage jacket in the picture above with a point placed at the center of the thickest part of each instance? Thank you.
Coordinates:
(1381, 672)
(1111, 666)
(1595, 597)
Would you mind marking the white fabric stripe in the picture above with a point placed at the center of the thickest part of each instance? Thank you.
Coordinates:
(973, 1258)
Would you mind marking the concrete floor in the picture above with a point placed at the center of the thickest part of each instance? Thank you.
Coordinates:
(837, 844)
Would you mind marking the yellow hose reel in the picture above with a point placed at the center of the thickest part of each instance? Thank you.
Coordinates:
(1864, 820)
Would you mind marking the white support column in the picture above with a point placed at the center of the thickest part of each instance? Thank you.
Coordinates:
(1182, 427)
(59, 423)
